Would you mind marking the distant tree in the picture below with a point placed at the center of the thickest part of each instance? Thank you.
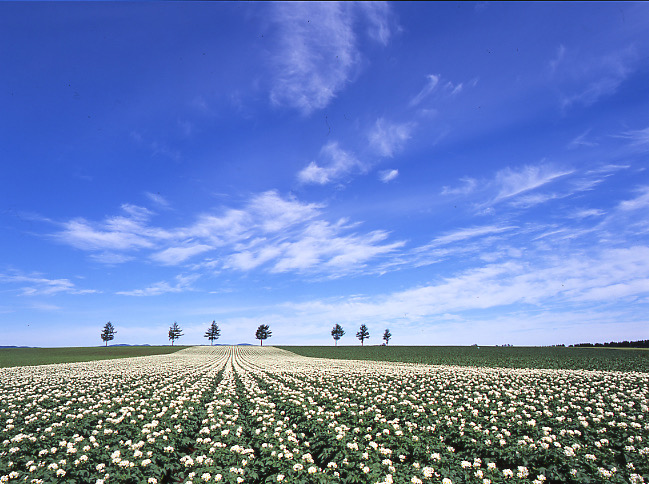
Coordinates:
(263, 332)
(108, 334)
(363, 334)
(174, 332)
(386, 336)
(337, 332)
(213, 332)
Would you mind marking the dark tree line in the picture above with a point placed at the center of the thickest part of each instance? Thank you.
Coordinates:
(644, 343)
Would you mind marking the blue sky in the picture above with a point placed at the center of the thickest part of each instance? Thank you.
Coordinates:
(458, 173)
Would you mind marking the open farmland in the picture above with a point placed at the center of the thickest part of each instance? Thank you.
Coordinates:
(605, 359)
(249, 414)
(47, 356)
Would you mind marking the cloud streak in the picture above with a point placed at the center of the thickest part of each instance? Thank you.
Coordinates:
(317, 52)
(268, 232)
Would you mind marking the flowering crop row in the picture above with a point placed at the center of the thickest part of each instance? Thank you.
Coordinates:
(247, 414)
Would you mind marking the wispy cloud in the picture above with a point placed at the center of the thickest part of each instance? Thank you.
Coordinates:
(585, 79)
(157, 199)
(582, 140)
(468, 186)
(268, 232)
(558, 283)
(385, 137)
(638, 137)
(387, 176)
(512, 182)
(468, 233)
(37, 285)
(639, 202)
(432, 80)
(317, 51)
(177, 255)
(183, 283)
(333, 164)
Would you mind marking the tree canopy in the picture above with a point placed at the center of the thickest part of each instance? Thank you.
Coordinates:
(363, 333)
(386, 336)
(263, 332)
(108, 334)
(337, 332)
(213, 332)
(174, 332)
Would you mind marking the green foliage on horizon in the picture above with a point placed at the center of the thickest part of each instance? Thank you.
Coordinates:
(605, 359)
(45, 356)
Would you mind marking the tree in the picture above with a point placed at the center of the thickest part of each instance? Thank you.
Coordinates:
(363, 334)
(337, 332)
(213, 332)
(174, 332)
(263, 332)
(386, 336)
(108, 334)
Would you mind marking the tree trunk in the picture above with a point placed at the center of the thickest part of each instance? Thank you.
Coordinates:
(261, 342)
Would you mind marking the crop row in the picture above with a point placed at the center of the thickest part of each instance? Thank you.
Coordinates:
(244, 414)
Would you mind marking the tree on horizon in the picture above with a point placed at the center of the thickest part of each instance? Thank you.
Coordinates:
(108, 334)
(263, 332)
(337, 332)
(386, 336)
(213, 332)
(174, 332)
(363, 333)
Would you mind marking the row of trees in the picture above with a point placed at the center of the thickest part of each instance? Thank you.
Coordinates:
(363, 333)
(263, 332)
(212, 334)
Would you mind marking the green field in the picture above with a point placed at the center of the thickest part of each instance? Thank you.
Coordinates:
(45, 356)
(606, 359)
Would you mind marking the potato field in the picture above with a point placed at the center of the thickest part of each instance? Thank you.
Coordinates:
(257, 415)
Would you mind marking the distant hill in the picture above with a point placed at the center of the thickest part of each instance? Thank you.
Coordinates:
(16, 346)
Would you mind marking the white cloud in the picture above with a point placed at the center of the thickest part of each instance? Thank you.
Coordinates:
(557, 283)
(468, 186)
(183, 283)
(637, 203)
(378, 18)
(468, 233)
(176, 255)
(335, 163)
(638, 138)
(431, 84)
(387, 176)
(317, 51)
(512, 182)
(588, 78)
(42, 286)
(315, 247)
(267, 232)
(582, 140)
(386, 137)
(157, 199)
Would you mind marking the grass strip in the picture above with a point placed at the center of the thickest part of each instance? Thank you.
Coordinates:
(45, 356)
